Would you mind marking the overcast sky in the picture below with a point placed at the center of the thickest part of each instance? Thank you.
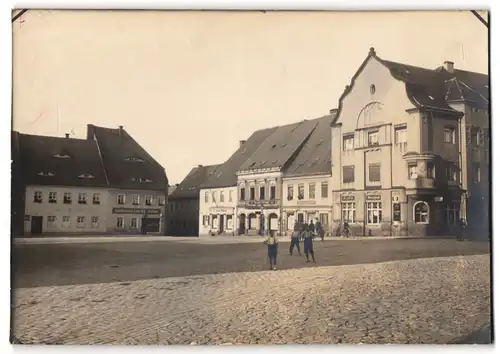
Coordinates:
(189, 86)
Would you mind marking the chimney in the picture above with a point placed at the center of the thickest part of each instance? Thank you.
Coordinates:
(120, 130)
(449, 66)
(199, 166)
(333, 111)
(67, 135)
(242, 142)
(90, 131)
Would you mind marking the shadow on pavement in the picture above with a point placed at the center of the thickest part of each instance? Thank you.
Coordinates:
(482, 336)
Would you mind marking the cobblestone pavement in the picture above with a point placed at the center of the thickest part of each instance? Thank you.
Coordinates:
(432, 300)
(65, 264)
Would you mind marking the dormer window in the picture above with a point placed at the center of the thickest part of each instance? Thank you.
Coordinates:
(133, 159)
(141, 180)
(46, 174)
(86, 176)
(62, 156)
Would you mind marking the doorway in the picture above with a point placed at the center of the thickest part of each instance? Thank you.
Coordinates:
(36, 225)
(221, 224)
(241, 229)
(300, 218)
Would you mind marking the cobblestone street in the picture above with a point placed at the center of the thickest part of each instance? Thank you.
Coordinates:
(432, 300)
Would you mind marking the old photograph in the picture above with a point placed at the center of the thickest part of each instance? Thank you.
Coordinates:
(250, 177)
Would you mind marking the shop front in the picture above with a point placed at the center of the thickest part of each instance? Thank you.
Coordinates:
(222, 221)
(137, 220)
(259, 217)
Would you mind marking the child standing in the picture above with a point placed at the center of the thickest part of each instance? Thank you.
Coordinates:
(308, 243)
(272, 250)
(295, 241)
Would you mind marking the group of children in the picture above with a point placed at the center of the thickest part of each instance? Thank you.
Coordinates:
(303, 232)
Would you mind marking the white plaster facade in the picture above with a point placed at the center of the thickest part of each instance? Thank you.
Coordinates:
(259, 202)
(218, 211)
(68, 210)
(316, 201)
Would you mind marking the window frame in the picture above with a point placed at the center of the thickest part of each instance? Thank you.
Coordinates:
(96, 201)
(349, 209)
(349, 137)
(272, 192)
(52, 198)
(427, 213)
(370, 135)
(80, 224)
(372, 206)
(290, 191)
(374, 165)
(118, 226)
(348, 167)
(312, 188)
(82, 198)
(397, 131)
(452, 132)
(324, 188)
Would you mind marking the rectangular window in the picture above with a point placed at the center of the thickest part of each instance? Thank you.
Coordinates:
(374, 213)
(38, 197)
(451, 174)
(120, 199)
(66, 221)
(27, 218)
(476, 173)
(52, 197)
(230, 196)
(449, 135)
(96, 199)
(149, 200)
(242, 193)
(348, 142)
(262, 192)
(135, 199)
(94, 222)
(374, 172)
(452, 213)
(51, 221)
(252, 193)
(272, 192)
(222, 196)
(67, 198)
(312, 190)
(373, 138)
(229, 222)
(82, 198)
(479, 137)
(468, 133)
(323, 219)
(214, 197)
(430, 169)
(134, 223)
(348, 174)
(412, 171)
(206, 197)
(290, 192)
(349, 212)
(301, 191)
(205, 220)
(161, 201)
(324, 190)
(120, 222)
(80, 221)
(400, 134)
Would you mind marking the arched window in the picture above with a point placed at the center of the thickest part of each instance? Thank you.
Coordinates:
(421, 213)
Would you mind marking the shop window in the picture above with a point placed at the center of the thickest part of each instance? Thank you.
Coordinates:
(421, 213)
(120, 222)
(348, 212)
(229, 222)
(374, 213)
(452, 213)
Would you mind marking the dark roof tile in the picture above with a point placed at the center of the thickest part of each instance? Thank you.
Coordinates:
(190, 185)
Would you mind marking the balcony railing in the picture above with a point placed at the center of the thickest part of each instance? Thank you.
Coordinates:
(421, 182)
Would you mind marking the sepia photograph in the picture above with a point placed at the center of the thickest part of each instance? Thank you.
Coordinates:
(250, 177)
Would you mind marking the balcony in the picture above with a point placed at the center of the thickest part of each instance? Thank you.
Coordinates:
(421, 183)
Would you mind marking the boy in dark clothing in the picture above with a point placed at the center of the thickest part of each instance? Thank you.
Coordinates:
(311, 226)
(272, 250)
(461, 232)
(319, 230)
(308, 243)
(295, 241)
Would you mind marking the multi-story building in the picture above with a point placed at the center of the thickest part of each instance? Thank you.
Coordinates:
(103, 184)
(260, 178)
(307, 181)
(184, 202)
(218, 194)
(396, 151)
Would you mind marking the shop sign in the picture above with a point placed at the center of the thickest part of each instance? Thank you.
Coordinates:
(306, 202)
(438, 199)
(253, 204)
(373, 197)
(136, 211)
(221, 210)
(347, 198)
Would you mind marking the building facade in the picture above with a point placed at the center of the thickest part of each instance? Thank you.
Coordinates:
(218, 211)
(396, 152)
(103, 184)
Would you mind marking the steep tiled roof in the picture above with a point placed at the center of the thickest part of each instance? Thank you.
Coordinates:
(60, 161)
(226, 173)
(190, 185)
(277, 150)
(315, 156)
(127, 164)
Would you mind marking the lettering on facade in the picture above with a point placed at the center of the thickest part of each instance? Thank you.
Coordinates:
(136, 211)
(306, 202)
(373, 197)
(255, 204)
(221, 210)
(347, 198)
